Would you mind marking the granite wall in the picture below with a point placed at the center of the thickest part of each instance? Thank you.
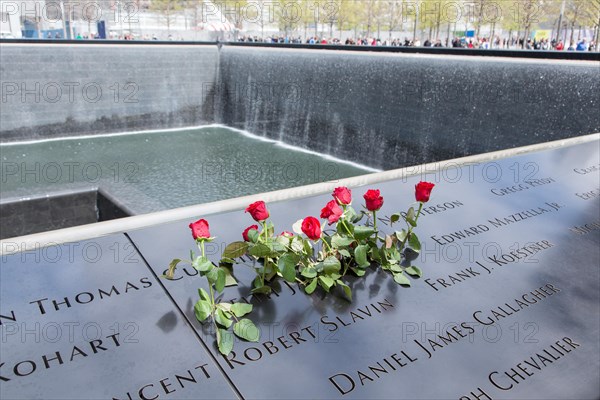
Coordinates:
(56, 90)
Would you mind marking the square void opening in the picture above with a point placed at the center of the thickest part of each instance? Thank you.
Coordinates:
(24, 216)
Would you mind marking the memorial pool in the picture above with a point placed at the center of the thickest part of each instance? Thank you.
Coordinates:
(154, 171)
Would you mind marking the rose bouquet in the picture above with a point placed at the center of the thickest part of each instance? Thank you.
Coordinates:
(317, 255)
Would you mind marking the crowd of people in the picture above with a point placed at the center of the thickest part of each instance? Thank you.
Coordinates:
(456, 42)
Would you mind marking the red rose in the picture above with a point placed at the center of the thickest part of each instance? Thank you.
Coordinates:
(258, 211)
(343, 195)
(373, 199)
(311, 228)
(332, 212)
(248, 229)
(287, 234)
(423, 190)
(200, 229)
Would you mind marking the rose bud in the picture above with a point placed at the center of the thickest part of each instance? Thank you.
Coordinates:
(311, 228)
(332, 212)
(248, 229)
(287, 234)
(258, 211)
(200, 229)
(423, 191)
(342, 195)
(373, 199)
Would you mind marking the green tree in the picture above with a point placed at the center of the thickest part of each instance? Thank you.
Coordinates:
(582, 13)
(379, 16)
(529, 14)
(289, 15)
(349, 15)
(392, 13)
(430, 16)
(168, 9)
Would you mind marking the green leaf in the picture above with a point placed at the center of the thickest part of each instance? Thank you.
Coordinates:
(297, 244)
(307, 246)
(235, 250)
(344, 252)
(224, 261)
(360, 254)
(221, 278)
(203, 295)
(253, 235)
(270, 271)
(401, 235)
(394, 267)
(203, 264)
(326, 282)
(363, 232)
(221, 319)
(287, 266)
(394, 255)
(401, 279)
(257, 282)
(375, 256)
(202, 310)
(262, 290)
(395, 217)
(344, 229)
(229, 278)
(346, 289)
(308, 272)
(414, 242)
(340, 241)
(331, 264)
(279, 247)
(358, 272)
(410, 217)
(224, 341)
(384, 255)
(351, 215)
(241, 309)
(212, 276)
(335, 276)
(260, 250)
(319, 267)
(310, 288)
(246, 330)
(289, 273)
(414, 271)
(270, 229)
(172, 267)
